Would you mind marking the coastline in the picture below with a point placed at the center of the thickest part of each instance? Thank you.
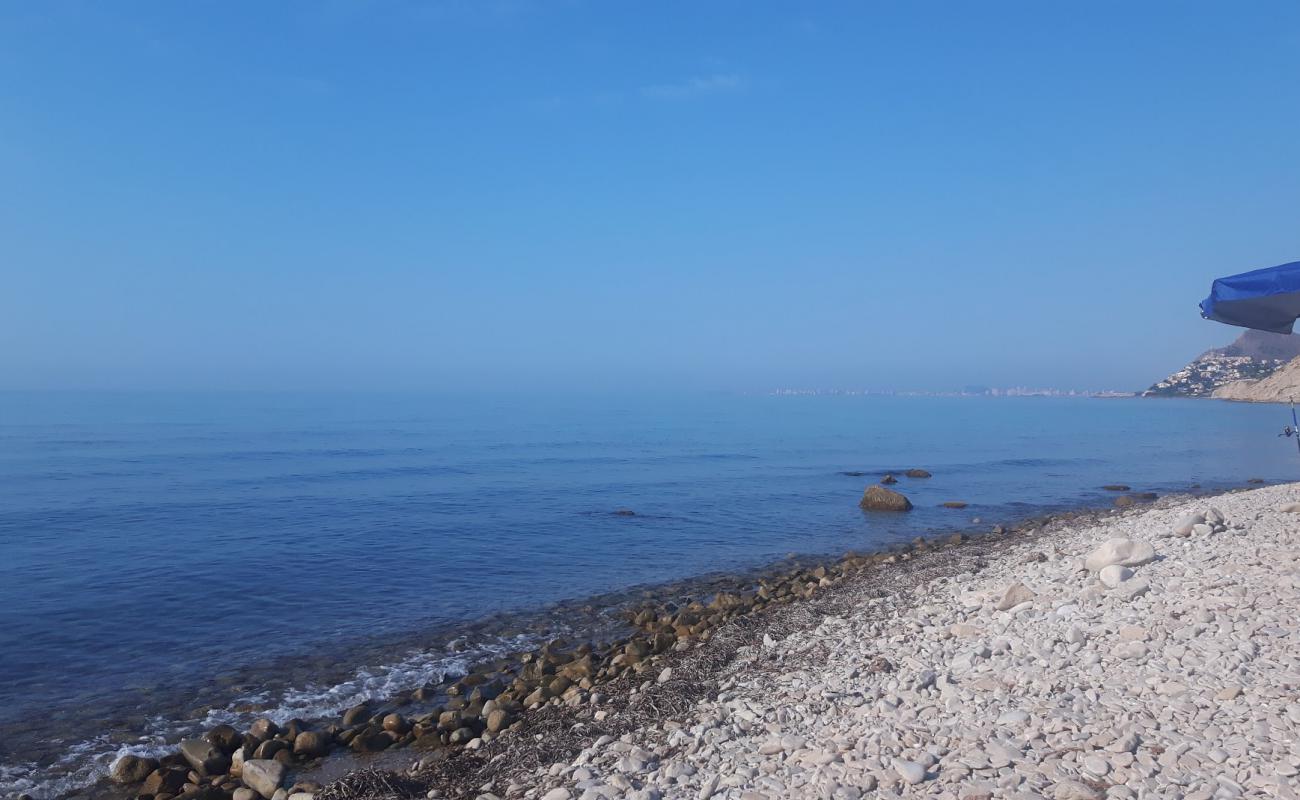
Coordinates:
(996, 668)
(890, 565)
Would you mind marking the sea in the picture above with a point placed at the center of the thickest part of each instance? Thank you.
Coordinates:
(172, 561)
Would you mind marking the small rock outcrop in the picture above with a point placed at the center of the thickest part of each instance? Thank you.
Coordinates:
(878, 498)
(1125, 552)
(918, 473)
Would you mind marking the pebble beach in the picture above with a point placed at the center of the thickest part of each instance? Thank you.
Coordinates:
(1150, 652)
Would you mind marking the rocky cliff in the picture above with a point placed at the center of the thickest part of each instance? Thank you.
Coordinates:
(1281, 386)
(1252, 358)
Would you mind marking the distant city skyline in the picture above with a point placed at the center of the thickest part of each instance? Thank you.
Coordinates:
(725, 196)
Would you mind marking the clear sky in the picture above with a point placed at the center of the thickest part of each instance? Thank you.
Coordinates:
(706, 194)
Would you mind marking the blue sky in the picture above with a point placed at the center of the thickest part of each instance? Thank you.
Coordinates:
(715, 195)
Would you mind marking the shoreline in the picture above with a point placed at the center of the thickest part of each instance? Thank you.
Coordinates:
(414, 705)
(1023, 669)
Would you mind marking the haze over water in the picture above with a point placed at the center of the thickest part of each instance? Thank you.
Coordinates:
(159, 545)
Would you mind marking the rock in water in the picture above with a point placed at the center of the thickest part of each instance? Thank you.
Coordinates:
(889, 480)
(1116, 487)
(918, 473)
(1015, 594)
(1114, 575)
(954, 504)
(132, 769)
(263, 776)
(1124, 501)
(878, 498)
(1126, 552)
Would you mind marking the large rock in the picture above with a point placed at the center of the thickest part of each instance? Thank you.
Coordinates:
(1125, 552)
(263, 776)
(204, 756)
(1015, 594)
(164, 780)
(878, 498)
(132, 769)
(311, 744)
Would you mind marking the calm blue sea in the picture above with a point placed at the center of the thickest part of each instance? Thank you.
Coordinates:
(173, 560)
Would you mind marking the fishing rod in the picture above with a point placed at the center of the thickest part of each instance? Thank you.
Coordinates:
(1292, 430)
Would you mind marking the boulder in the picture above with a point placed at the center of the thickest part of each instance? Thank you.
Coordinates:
(311, 744)
(263, 729)
(1014, 595)
(1184, 526)
(204, 756)
(225, 738)
(263, 776)
(357, 715)
(132, 769)
(1126, 552)
(498, 720)
(1114, 575)
(878, 498)
(164, 780)
(918, 473)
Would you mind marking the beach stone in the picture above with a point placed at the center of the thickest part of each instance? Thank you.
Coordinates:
(1125, 552)
(263, 729)
(204, 756)
(1014, 595)
(263, 776)
(1184, 525)
(225, 737)
(1130, 590)
(878, 498)
(311, 744)
(558, 793)
(132, 769)
(1075, 790)
(396, 723)
(498, 720)
(911, 772)
(1291, 508)
(1114, 575)
(356, 715)
(244, 793)
(164, 780)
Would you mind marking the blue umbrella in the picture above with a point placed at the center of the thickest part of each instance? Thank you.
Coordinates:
(1264, 299)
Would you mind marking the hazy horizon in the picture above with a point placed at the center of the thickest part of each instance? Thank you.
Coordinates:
(394, 196)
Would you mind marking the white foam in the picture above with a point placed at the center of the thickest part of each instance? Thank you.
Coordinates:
(86, 762)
